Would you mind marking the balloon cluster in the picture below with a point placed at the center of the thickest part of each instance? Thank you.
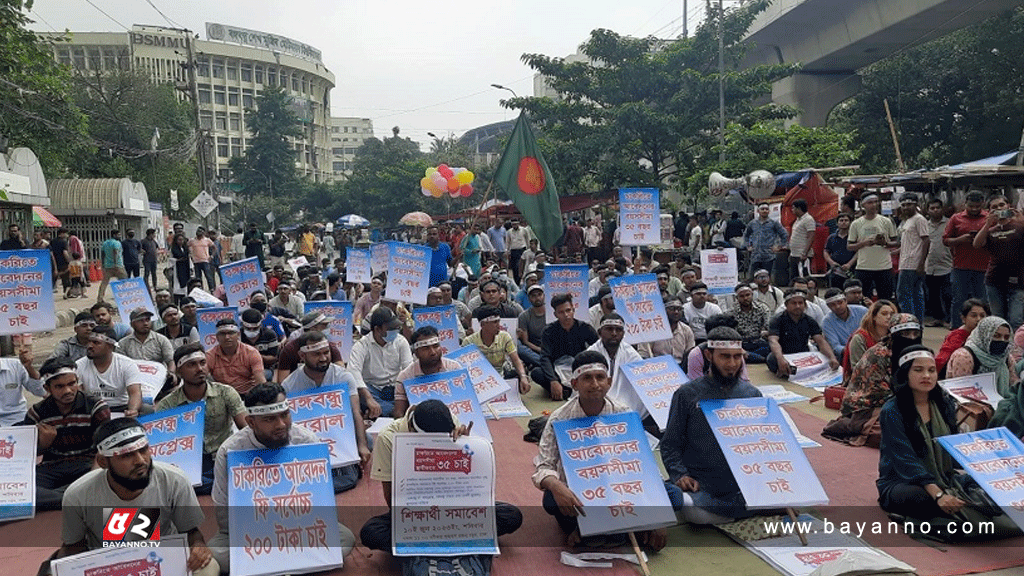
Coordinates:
(457, 182)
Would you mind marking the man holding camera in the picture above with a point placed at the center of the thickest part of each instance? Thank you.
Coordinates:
(1002, 236)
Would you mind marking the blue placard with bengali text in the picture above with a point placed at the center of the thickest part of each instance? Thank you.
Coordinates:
(357, 265)
(487, 383)
(763, 454)
(995, 459)
(241, 279)
(638, 300)
(207, 323)
(408, 272)
(445, 319)
(379, 254)
(654, 381)
(282, 515)
(327, 412)
(455, 389)
(609, 465)
(568, 278)
(639, 216)
(26, 285)
(176, 438)
(132, 293)
(339, 331)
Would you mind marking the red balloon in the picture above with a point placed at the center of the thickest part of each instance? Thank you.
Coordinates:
(445, 171)
(466, 190)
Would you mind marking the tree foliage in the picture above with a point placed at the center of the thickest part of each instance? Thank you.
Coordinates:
(385, 181)
(268, 164)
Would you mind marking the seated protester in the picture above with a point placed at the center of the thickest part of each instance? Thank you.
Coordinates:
(287, 300)
(427, 359)
(161, 297)
(289, 357)
(497, 346)
(189, 308)
(74, 346)
(460, 307)
(789, 332)
(870, 385)
(16, 376)
(401, 312)
(375, 361)
(972, 312)
(698, 310)
(263, 339)
(530, 330)
(175, 329)
(128, 476)
(429, 417)
(365, 303)
(233, 363)
(112, 376)
(692, 456)
(667, 283)
(566, 336)
(435, 298)
(616, 354)
(697, 364)
(222, 403)
(146, 344)
(605, 305)
(1010, 412)
(986, 351)
(811, 310)
(258, 302)
(268, 426)
(765, 293)
(682, 340)
(65, 421)
(854, 291)
(752, 323)
(103, 313)
(591, 382)
(842, 320)
(874, 327)
(493, 292)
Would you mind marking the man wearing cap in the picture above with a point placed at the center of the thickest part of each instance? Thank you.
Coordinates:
(65, 421)
(698, 310)
(268, 427)
(73, 347)
(530, 329)
(258, 301)
(230, 361)
(427, 359)
(692, 456)
(262, 338)
(915, 240)
(114, 377)
(497, 345)
(842, 320)
(763, 237)
(223, 405)
(175, 329)
(789, 332)
(565, 337)
(146, 344)
(752, 323)
(605, 305)
(969, 263)
(103, 314)
(288, 359)
(128, 475)
(764, 292)
(871, 237)
(375, 361)
(682, 336)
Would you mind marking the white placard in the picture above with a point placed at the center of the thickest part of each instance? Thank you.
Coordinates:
(719, 269)
(973, 387)
(169, 559)
(509, 404)
(17, 472)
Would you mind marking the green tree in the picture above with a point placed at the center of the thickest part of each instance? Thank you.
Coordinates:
(268, 165)
(643, 111)
(385, 181)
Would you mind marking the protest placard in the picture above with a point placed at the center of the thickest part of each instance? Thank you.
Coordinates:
(170, 558)
(763, 454)
(812, 370)
(339, 331)
(17, 472)
(779, 393)
(455, 389)
(719, 269)
(379, 254)
(176, 438)
(973, 387)
(995, 459)
(357, 265)
(508, 404)
(573, 279)
(26, 286)
(132, 293)
(327, 412)
(442, 496)
(655, 380)
(207, 323)
(487, 383)
(609, 465)
(445, 319)
(297, 262)
(504, 324)
(639, 216)
(154, 376)
(241, 279)
(638, 300)
(408, 272)
(282, 515)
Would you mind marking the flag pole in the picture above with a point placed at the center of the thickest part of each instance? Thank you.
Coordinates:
(484, 201)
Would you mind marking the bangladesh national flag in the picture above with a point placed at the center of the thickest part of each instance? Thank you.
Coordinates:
(524, 176)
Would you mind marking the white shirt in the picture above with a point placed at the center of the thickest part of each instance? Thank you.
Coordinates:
(622, 391)
(798, 241)
(912, 232)
(298, 381)
(696, 317)
(376, 365)
(13, 378)
(113, 384)
(518, 239)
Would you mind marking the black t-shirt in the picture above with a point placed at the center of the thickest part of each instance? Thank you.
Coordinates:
(58, 246)
(150, 250)
(793, 336)
(131, 248)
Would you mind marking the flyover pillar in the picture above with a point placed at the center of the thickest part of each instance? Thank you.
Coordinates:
(815, 94)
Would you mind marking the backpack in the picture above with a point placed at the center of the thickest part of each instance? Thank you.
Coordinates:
(473, 565)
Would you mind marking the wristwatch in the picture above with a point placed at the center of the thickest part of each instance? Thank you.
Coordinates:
(940, 495)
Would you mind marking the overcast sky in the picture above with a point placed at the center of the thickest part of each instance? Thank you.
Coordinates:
(422, 66)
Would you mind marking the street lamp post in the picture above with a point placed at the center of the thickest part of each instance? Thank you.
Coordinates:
(500, 87)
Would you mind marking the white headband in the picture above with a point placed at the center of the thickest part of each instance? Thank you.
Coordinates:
(491, 319)
(227, 328)
(109, 445)
(432, 341)
(412, 422)
(97, 337)
(315, 346)
(84, 322)
(796, 294)
(613, 322)
(255, 326)
(699, 291)
(268, 409)
(197, 355)
(915, 354)
(731, 344)
(744, 288)
(836, 298)
(589, 367)
(60, 372)
(904, 326)
(869, 198)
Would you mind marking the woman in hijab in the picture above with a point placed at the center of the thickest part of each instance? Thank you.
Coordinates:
(986, 351)
(870, 385)
(873, 328)
(971, 312)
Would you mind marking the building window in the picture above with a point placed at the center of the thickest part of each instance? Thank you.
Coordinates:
(109, 60)
(232, 96)
(246, 72)
(218, 68)
(204, 96)
(202, 68)
(338, 166)
(79, 58)
(222, 121)
(271, 77)
(64, 57)
(224, 174)
(236, 122)
(247, 99)
(232, 72)
(218, 95)
(94, 59)
(222, 147)
(206, 120)
(337, 151)
(258, 75)
(295, 84)
(236, 147)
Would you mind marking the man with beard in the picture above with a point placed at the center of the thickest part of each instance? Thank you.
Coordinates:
(426, 347)
(128, 476)
(268, 427)
(682, 336)
(114, 377)
(531, 326)
(222, 402)
(618, 353)
(103, 314)
(175, 329)
(605, 305)
(14, 241)
(789, 331)
(698, 310)
(288, 359)
(752, 323)
(693, 459)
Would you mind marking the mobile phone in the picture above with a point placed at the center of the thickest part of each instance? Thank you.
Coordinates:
(1006, 214)
(792, 369)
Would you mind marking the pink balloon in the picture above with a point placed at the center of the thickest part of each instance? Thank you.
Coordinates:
(440, 182)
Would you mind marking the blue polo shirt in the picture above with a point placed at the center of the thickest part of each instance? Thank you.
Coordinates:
(838, 332)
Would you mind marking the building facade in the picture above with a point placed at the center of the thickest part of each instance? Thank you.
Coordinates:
(347, 135)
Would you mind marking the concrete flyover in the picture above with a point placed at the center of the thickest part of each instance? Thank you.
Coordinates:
(833, 39)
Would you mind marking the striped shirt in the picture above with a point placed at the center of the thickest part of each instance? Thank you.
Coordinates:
(74, 429)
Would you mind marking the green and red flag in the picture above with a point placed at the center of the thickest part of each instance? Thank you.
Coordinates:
(524, 175)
